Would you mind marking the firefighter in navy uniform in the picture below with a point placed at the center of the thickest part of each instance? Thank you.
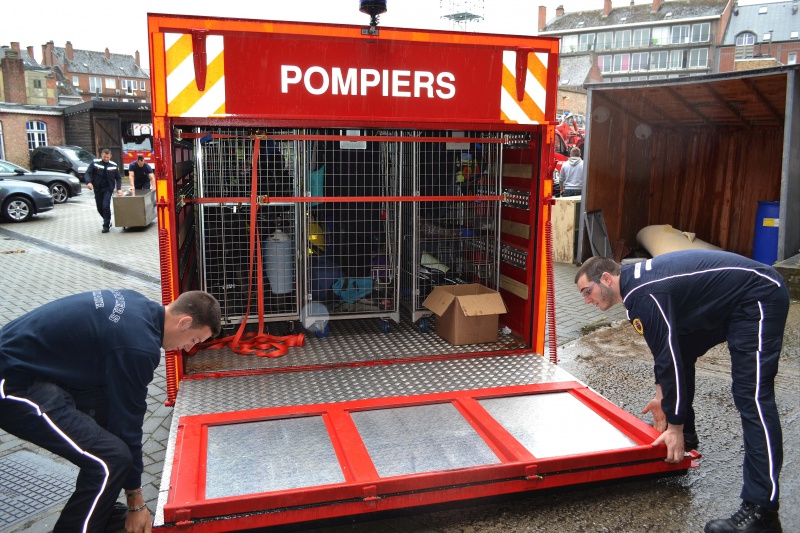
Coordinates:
(73, 379)
(684, 303)
(104, 178)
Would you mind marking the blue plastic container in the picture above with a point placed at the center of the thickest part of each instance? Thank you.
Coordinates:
(765, 237)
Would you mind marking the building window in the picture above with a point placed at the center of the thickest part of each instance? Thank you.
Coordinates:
(680, 34)
(111, 83)
(143, 87)
(698, 58)
(622, 39)
(745, 43)
(37, 134)
(658, 77)
(113, 99)
(641, 38)
(585, 43)
(701, 33)
(658, 60)
(660, 36)
(639, 61)
(638, 78)
(569, 44)
(37, 84)
(76, 81)
(623, 78)
(95, 84)
(621, 62)
(604, 64)
(676, 59)
(792, 59)
(605, 41)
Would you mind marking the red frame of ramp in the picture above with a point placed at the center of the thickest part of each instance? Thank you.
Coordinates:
(364, 491)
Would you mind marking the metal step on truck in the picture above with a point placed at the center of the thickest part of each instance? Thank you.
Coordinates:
(371, 208)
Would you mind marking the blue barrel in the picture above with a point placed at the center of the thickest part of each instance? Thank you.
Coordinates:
(765, 237)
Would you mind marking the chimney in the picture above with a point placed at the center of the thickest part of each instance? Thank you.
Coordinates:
(15, 47)
(70, 54)
(14, 77)
(631, 3)
(139, 64)
(606, 8)
(30, 53)
(657, 5)
(108, 54)
(47, 54)
(560, 11)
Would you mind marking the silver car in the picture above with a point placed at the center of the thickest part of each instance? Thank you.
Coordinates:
(21, 200)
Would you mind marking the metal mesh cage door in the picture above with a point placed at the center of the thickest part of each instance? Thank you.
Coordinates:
(351, 258)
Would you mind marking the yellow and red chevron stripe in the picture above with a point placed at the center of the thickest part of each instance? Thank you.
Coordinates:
(531, 109)
(183, 97)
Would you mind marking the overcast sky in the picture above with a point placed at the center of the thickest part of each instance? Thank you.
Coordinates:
(81, 22)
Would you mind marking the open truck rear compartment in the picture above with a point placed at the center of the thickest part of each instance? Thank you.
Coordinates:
(322, 180)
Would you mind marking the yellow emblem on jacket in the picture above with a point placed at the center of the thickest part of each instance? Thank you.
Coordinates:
(637, 325)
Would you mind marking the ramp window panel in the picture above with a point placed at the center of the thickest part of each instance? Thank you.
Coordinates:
(269, 455)
(422, 438)
(553, 425)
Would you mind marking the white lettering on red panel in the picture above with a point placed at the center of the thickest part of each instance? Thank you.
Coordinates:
(396, 83)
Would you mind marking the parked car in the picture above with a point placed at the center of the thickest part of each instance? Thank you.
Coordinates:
(68, 159)
(21, 200)
(61, 186)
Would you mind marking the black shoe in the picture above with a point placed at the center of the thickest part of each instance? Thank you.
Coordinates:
(105, 229)
(117, 520)
(750, 518)
(690, 441)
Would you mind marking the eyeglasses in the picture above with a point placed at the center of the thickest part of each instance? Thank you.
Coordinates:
(586, 290)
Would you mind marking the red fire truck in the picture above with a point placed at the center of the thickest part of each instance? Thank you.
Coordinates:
(371, 208)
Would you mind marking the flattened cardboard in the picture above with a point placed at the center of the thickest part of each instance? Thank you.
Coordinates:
(468, 314)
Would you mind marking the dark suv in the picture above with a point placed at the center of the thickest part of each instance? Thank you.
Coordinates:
(68, 159)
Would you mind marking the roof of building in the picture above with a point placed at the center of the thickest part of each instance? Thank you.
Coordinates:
(89, 62)
(31, 109)
(66, 91)
(778, 18)
(574, 70)
(637, 14)
(28, 62)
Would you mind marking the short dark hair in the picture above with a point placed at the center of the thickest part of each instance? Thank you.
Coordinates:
(594, 267)
(575, 152)
(105, 151)
(140, 158)
(202, 307)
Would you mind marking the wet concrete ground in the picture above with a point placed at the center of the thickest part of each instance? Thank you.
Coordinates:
(615, 362)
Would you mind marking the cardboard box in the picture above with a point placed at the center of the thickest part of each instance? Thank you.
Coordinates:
(467, 314)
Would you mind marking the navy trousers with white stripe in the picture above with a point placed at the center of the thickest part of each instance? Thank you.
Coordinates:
(755, 337)
(70, 424)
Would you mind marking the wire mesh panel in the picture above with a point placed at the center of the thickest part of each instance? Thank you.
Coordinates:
(450, 241)
(352, 256)
(225, 164)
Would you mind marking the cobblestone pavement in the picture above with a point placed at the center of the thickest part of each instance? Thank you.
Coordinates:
(63, 252)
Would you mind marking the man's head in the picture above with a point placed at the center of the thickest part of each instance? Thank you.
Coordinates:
(575, 152)
(598, 281)
(140, 161)
(105, 155)
(191, 319)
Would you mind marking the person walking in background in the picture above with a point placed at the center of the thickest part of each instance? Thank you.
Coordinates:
(684, 303)
(140, 175)
(104, 178)
(74, 375)
(572, 174)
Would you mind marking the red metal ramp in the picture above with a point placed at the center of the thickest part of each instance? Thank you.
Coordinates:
(279, 465)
